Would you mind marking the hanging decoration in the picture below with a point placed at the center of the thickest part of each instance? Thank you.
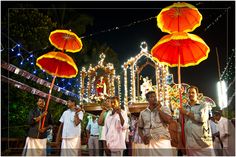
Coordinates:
(29, 89)
(34, 78)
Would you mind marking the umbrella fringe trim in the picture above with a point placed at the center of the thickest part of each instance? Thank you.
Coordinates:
(179, 36)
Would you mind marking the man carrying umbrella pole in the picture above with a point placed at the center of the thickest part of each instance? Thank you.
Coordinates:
(198, 138)
(71, 132)
(36, 142)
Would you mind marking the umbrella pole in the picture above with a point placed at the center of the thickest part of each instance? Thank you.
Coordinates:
(49, 96)
(180, 101)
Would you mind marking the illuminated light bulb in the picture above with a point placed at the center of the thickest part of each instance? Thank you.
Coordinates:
(222, 94)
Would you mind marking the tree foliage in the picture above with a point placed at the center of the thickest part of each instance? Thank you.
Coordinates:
(30, 28)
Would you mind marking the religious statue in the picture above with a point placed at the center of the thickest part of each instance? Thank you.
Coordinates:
(101, 87)
(146, 87)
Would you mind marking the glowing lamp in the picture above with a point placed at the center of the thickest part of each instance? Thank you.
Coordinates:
(222, 94)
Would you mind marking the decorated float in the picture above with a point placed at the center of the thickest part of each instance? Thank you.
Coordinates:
(97, 83)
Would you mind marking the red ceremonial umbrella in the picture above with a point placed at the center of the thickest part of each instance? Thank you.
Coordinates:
(65, 40)
(182, 50)
(179, 17)
(57, 64)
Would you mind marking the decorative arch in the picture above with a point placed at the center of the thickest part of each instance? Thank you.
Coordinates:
(131, 86)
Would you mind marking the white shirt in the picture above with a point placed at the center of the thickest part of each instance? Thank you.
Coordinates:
(214, 127)
(114, 132)
(226, 127)
(69, 128)
(93, 127)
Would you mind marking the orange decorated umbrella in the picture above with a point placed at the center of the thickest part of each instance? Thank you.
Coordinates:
(182, 50)
(65, 40)
(57, 64)
(179, 17)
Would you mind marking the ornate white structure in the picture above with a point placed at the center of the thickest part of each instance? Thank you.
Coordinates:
(132, 81)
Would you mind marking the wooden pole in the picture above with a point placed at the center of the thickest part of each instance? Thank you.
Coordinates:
(180, 100)
(49, 96)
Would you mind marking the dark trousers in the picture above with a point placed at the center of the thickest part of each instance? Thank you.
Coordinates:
(101, 148)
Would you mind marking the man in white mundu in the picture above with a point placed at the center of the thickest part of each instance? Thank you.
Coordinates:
(152, 128)
(116, 125)
(227, 134)
(36, 142)
(70, 122)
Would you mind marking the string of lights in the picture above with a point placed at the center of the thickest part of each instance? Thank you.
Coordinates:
(231, 83)
(229, 68)
(26, 59)
(216, 19)
(149, 19)
(119, 27)
(230, 99)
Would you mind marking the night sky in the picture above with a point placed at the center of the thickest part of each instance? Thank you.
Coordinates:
(217, 30)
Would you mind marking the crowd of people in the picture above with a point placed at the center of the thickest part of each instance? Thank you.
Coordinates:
(155, 131)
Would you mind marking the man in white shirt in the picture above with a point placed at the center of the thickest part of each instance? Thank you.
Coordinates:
(70, 122)
(198, 138)
(217, 144)
(227, 134)
(93, 133)
(116, 125)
